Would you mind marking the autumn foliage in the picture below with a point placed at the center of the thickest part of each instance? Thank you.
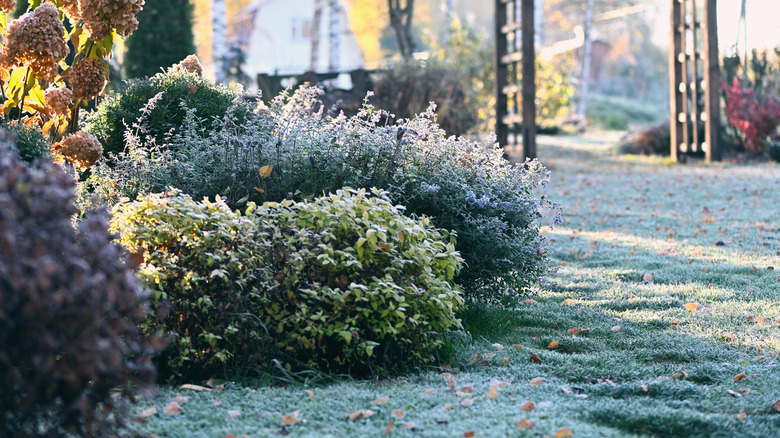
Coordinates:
(754, 119)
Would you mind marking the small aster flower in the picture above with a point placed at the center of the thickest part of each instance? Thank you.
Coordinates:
(36, 40)
(58, 100)
(87, 78)
(81, 148)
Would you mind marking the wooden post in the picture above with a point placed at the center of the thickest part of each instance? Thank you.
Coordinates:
(502, 130)
(529, 80)
(675, 74)
(711, 82)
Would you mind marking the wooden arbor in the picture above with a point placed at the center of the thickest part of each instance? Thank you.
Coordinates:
(694, 78)
(515, 88)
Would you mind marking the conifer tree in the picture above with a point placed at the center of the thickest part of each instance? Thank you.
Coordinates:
(164, 37)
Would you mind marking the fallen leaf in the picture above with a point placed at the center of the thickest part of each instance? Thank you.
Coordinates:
(563, 263)
(506, 362)
(498, 347)
(291, 418)
(633, 297)
(310, 394)
(565, 390)
(381, 400)
(360, 414)
(489, 355)
(216, 404)
(528, 406)
(469, 434)
(739, 377)
(451, 383)
(180, 399)
(265, 171)
(173, 408)
(760, 358)
(644, 388)
(569, 301)
(535, 358)
(553, 345)
(529, 301)
(776, 406)
(194, 387)
(448, 407)
(525, 424)
(407, 426)
(147, 413)
(616, 328)
(430, 391)
(500, 383)
(389, 428)
(563, 433)
(691, 307)
(398, 413)
(467, 402)
(536, 381)
(733, 394)
(580, 310)
(467, 389)
(233, 413)
(581, 396)
(518, 346)
(574, 331)
(493, 393)
(647, 278)
(756, 320)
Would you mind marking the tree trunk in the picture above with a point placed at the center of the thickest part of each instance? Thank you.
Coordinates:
(218, 46)
(586, 54)
(401, 22)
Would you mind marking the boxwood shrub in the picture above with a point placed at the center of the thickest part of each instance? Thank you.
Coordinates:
(345, 283)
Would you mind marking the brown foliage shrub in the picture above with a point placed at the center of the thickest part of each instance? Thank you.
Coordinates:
(69, 311)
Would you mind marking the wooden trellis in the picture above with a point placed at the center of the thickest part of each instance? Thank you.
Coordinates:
(694, 79)
(515, 89)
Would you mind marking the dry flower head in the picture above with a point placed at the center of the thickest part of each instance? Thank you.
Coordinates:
(58, 100)
(101, 16)
(87, 78)
(191, 64)
(36, 40)
(8, 6)
(81, 148)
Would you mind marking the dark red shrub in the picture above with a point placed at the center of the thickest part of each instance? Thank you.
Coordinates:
(69, 311)
(754, 120)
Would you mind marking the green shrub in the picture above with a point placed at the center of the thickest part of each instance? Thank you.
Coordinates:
(464, 186)
(342, 283)
(199, 261)
(161, 100)
(30, 143)
(69, 309)
(356, 284)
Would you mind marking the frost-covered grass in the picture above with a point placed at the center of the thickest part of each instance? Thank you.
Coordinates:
(641, 239)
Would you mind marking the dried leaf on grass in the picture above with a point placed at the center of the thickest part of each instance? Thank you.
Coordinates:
(399, 414)
(739, 377)
(525, 424)
(291, 418)
(173, 408)
(360, 414)
(564, 433)
(381, 400)
(528, 406)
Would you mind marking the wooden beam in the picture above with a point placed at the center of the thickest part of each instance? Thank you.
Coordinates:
(529, 80)
(502, 130)
(712, 81)
(675, 74)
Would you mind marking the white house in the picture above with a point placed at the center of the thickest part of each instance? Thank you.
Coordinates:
(278, 37)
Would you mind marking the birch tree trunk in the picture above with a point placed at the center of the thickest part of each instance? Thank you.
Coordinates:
(587, 46)
(401, 22)
(218, 45)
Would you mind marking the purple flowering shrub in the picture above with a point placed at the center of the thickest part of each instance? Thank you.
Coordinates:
(295, 149)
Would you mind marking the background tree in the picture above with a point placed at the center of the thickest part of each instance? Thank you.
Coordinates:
(401, 21)
(164, 37)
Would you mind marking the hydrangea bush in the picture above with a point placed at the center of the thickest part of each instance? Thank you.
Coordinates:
(295, 149)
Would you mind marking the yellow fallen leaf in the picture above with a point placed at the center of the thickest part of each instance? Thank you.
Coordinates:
(525, 424)
(310, 394)
(147, 413)
(691, 307)
(553, 345)
(493, 393)
(291, 418)
(360, 414)
(517, 346)
(760, 358)
(265, 171)
(399, 414)
(536, 381)
(563, 433)
(569, 301)
(194, 387)
(528, 406)
(739, 377)
(173, 408)
(381, 400)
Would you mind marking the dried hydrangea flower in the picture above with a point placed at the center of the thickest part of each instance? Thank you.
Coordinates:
(58, 100)
(71, 9)
(36, 40)
(87, 78)
(100, 16)
(191, 64)
(8, 6)
(81, 148)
